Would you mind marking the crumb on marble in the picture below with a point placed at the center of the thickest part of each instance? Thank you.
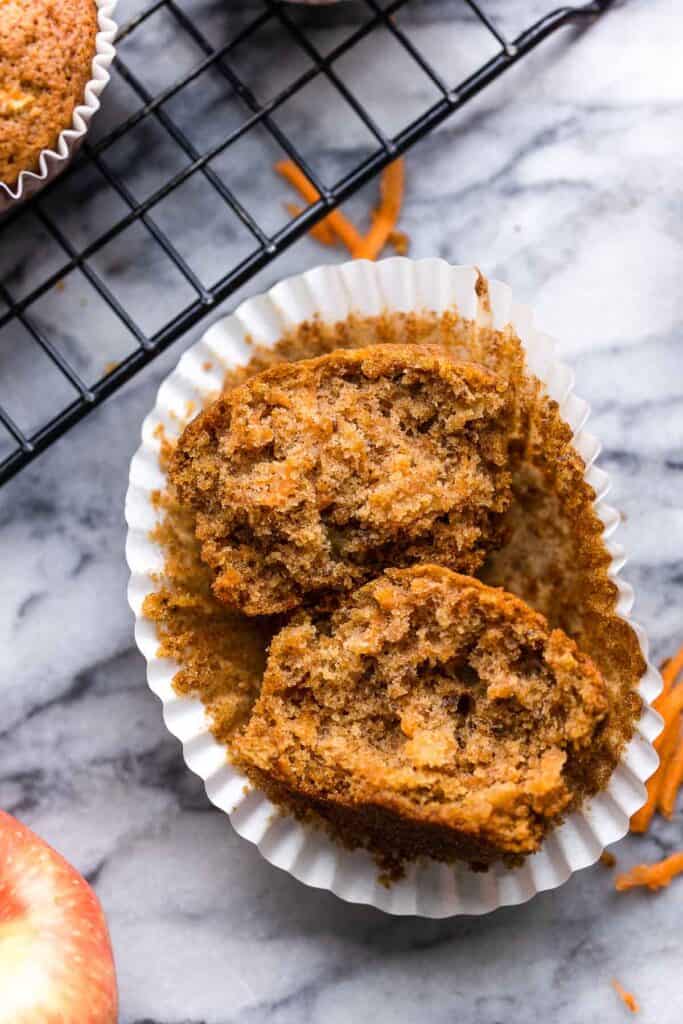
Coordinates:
(400, 242)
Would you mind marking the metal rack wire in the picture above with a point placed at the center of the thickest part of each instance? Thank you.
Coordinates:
(105, 190)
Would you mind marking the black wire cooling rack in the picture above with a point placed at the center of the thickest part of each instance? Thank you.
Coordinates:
(210, 93)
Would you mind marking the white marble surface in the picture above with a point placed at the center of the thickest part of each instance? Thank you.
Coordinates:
(565, 179)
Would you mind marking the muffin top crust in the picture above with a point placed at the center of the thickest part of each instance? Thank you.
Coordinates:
(46, 52)
(314, 476)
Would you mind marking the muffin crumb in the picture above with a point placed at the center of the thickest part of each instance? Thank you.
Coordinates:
(315, 475)
(428, 714)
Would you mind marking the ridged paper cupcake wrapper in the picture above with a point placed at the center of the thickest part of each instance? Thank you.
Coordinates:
(52, 162)
(429, 889)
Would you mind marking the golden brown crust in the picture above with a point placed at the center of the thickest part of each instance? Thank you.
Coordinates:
(315, 475)
(431, 699)
(46, 52)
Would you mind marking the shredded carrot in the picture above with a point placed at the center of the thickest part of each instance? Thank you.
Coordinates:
(662, 787)
(671, 783)
(665, 745)
(322, 231)
(607, 859)
(627, 998)
(670, 705)
(653, 876)
(640, 822)
(336, 225)
(387, 213)
(336, 220)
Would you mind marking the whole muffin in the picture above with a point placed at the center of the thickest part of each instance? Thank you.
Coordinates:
(314, 476)
(428, 715)
(46, 52)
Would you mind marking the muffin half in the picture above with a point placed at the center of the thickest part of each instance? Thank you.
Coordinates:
(429, 714)
(314, 476)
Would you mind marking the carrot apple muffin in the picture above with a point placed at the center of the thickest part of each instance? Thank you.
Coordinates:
(46, 52)
(430, 714)
(314, 476)
(553, 556)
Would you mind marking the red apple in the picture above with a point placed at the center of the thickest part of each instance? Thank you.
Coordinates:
(56, 964)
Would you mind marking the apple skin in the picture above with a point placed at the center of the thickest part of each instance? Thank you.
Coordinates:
(56, 961)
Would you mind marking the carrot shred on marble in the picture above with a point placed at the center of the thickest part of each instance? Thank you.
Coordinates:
(670, 707)
(336, 226)
(671, 783)
(651, 876)
(627, 998)
(665, 745)
(322, 231)
(387, 213)
(663, 786)
(339, 224)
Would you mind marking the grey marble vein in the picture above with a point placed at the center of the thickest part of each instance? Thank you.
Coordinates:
(564, 179)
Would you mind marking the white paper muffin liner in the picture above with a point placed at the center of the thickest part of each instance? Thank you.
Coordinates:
(52, 162)
(429, 889)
